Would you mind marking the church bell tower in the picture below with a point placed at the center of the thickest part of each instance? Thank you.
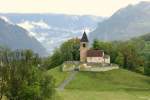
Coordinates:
(83, 47)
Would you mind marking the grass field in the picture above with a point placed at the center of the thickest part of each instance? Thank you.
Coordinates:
(111, 80)
(58, 75)
(104, 95)
(112, 85)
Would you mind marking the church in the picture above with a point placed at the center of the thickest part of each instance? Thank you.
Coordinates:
(90, 59)
(90, 55)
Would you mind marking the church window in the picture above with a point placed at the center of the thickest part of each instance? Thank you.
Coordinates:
(84, 45)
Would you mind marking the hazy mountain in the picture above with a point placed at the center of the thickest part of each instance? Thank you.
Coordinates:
(15, 37)
(132, 21)
(53, 29)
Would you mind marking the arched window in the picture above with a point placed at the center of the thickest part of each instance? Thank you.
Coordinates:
(84, 45)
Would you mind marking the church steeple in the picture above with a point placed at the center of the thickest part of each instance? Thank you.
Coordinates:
(84, 38)
(83, 47)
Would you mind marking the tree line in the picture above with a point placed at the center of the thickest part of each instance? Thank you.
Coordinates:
(127, 54)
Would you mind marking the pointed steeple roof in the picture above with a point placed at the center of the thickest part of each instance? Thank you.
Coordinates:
(84, 38)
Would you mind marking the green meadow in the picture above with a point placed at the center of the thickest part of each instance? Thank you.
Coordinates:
(116, 84)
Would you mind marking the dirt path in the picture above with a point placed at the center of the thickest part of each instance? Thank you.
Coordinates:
(66, 81)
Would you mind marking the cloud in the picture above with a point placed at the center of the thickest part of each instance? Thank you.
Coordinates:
(32, 25)
(41, 24)
(27, 25)
(33, 34)
(6, 19)
(88, 30)
(52, 36)
(41, 37)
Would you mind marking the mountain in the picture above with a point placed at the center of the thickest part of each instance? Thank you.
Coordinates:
(53, 29)
(15, 37)
(126, 23)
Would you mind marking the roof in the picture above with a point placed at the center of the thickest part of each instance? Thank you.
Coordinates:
(84, 38)
(95, 53)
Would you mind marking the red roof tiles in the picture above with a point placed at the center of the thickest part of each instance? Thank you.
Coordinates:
(95, 53)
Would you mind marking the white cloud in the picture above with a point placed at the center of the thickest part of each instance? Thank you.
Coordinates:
(32, 25)
(41, 39)
(33, 34)
(27, 25)
(47, 39)
(88, 30)
(41, 24)
(6, 19)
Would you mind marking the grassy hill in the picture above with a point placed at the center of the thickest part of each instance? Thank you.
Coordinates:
(117, 84)
(112, 80)
(58, 75)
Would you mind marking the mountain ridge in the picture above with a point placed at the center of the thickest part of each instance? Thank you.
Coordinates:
(129, 22)
(53, 29)
(15, 37)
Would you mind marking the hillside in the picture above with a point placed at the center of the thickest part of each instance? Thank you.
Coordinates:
(15, 37)
(126, 23)
(52, 29)
(112, 85)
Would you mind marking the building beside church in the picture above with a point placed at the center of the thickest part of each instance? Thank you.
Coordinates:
(90, 55)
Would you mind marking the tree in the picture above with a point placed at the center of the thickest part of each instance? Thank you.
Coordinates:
(24, 79)
(126, 54)
(55, 60)
(108, 47)
(3, 72)
(47, 87)
(132, 59)
(96, 44)
(147, 66)
(120, 59)
(147, 70)
(68, 51)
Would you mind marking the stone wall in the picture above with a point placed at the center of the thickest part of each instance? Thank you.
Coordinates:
(94, 67)
(98, 69)
(70, 65)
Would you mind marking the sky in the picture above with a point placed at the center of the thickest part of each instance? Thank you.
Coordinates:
(73, 7)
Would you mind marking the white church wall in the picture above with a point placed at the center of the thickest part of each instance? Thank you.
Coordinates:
(95, 59)
(107, 60)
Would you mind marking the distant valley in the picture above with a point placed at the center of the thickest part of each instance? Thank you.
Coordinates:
(53, 29)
